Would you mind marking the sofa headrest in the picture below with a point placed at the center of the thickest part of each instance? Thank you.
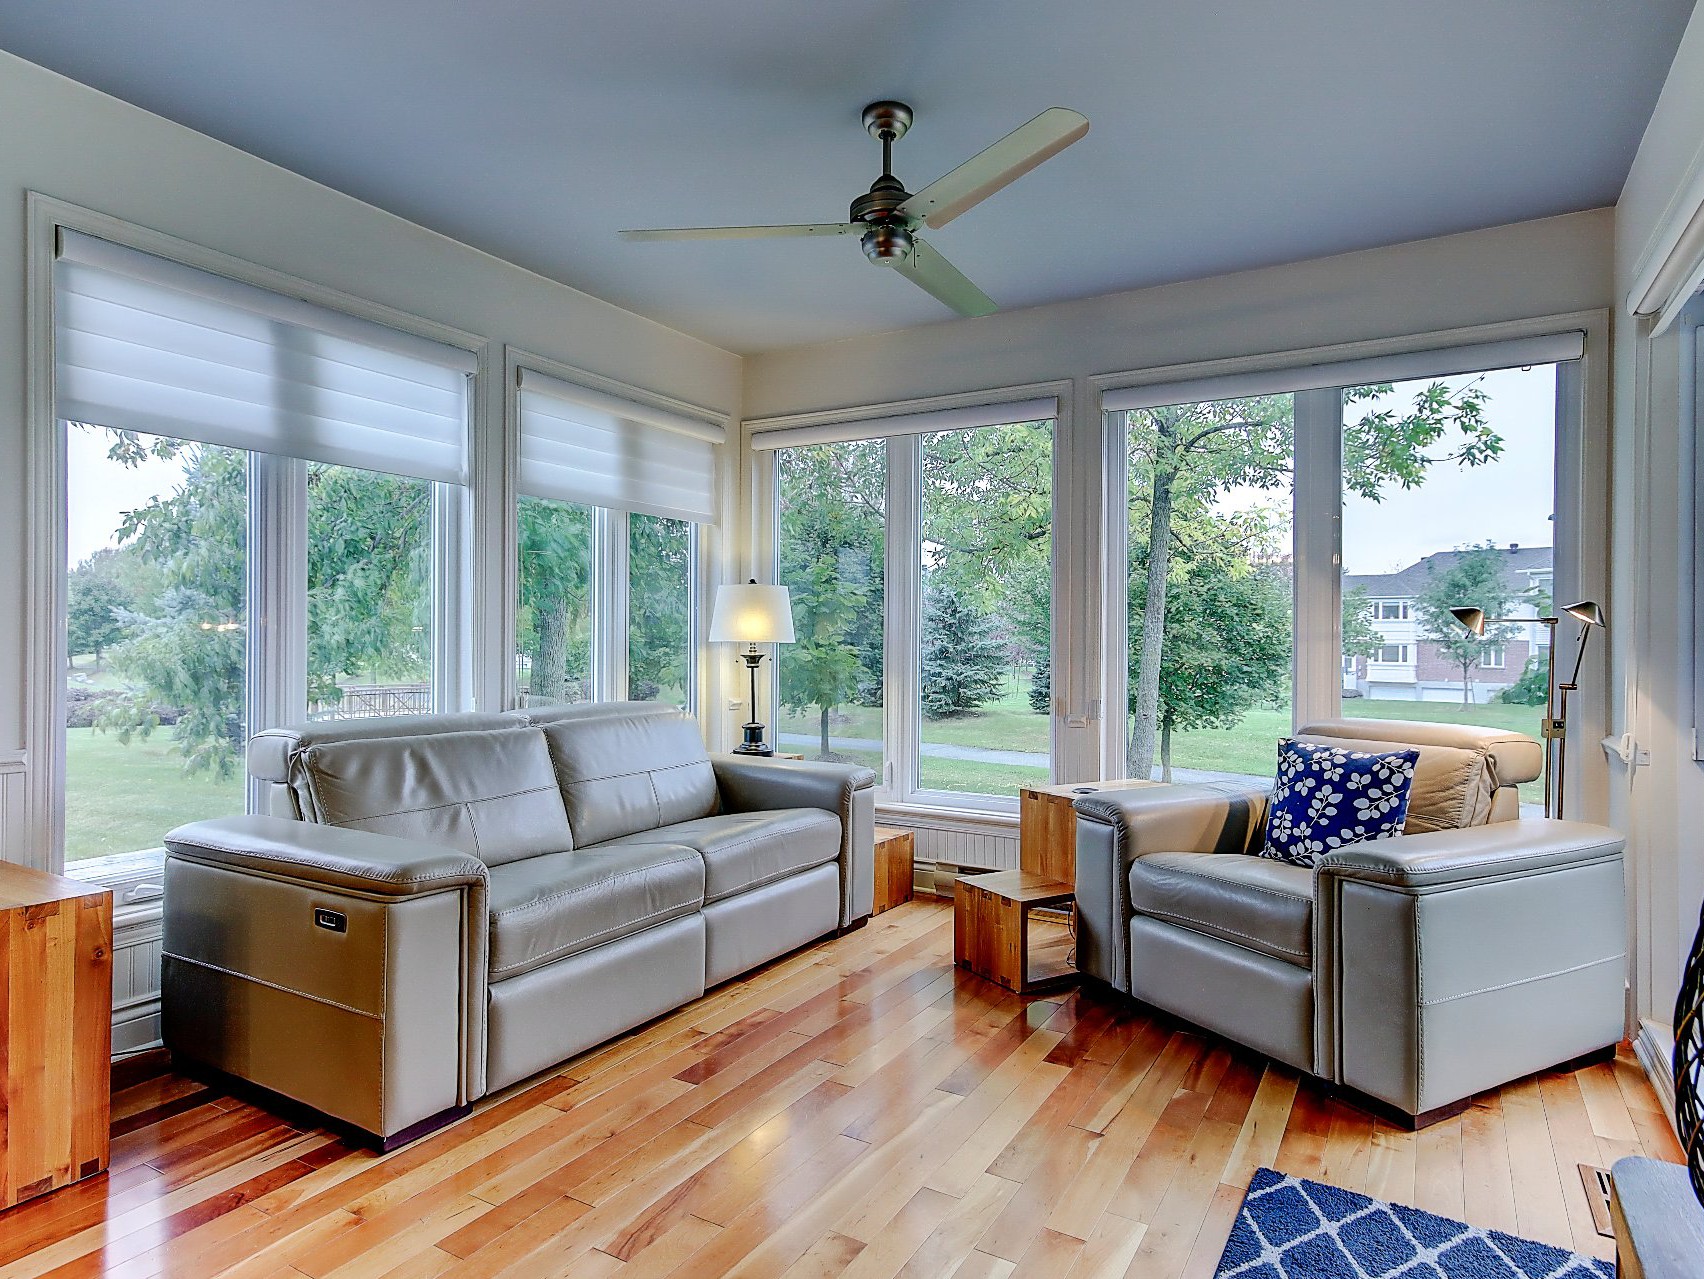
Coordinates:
(272, 751)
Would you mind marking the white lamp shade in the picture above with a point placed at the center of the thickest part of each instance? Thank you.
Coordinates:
(752, 614)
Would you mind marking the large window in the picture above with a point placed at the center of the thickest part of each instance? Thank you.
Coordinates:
(1209, 586)
(242, 469)
(613, 492)
(986, 561)
(920, 567)
(1240, 578)
(832, 538)
(1449, 499)
(156, 613)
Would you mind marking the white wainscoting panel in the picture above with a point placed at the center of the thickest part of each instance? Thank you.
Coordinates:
(136, 980)
(12, 782)
(976, 843)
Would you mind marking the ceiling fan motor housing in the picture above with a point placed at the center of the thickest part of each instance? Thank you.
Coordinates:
(887, 242)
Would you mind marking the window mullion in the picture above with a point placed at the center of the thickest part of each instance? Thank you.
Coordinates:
(1115, 593)
(452, 668)
(902, 648)
(277, 598)
(1317, 530)
(609, 604)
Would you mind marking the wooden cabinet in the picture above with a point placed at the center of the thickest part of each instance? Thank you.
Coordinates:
(895, 867)
(1047, 826)
(56, 1035)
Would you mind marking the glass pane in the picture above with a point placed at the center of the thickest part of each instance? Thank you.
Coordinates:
(987, 577)
(832, 539)
(1210, 588)
(369, 593)
(553, 653)
(1448, 499)
(157, 540)
(659, 610)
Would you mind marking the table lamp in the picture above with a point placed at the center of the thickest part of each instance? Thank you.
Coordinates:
(1555, 726)
(752, 614)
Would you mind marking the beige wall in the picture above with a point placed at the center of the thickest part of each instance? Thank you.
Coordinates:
(1661, 803)
(65, 140)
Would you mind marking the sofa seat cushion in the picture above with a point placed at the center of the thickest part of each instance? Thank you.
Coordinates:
(1253, 902)
(743, 851)
(547, 908)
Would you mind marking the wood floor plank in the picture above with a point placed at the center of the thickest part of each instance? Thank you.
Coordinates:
(859, 1108)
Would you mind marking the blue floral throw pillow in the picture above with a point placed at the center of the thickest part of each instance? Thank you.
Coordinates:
(1326, 797)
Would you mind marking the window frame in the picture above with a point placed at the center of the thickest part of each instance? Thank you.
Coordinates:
(277, 550)
(897, 782)
(1580, 545)
(610, 547)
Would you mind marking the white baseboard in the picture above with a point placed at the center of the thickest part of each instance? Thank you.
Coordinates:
(1654, 1046)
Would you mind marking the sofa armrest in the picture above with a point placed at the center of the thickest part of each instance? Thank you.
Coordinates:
(1116, 827)
(342, 968)
(327, 856)
(750, 785)
(1449, 858)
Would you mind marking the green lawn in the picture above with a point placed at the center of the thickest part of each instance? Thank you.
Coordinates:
(119, 799)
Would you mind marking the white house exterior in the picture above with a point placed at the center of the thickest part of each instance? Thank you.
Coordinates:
(1409, 667)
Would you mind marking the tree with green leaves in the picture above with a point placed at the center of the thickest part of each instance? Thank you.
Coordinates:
(1185, 457)
(963, 665)
(555, 599)
(95, 599)
(832, 540)
(1473, 576)
(659, 604)
(1361, 637)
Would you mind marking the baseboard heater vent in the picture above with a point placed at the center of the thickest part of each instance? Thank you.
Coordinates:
(1597, 1195)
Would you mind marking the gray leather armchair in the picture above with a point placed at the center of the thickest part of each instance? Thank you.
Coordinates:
(440, 906)
(1475, 948)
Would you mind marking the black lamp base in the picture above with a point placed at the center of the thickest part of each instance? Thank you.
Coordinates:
(754, 743)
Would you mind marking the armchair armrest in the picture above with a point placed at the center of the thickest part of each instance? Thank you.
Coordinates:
(327, 856)
(1116, 827)
(847, 791)
(1448, 858)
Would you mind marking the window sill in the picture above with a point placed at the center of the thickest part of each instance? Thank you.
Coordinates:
(952, 816)
(135, 878)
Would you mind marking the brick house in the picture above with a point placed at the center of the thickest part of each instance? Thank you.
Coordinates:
(1409, 667)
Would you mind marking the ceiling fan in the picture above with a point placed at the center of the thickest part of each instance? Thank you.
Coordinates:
(887, 217)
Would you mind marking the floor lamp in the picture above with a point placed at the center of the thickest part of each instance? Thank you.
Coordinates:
(751, 615)
(1555, 727)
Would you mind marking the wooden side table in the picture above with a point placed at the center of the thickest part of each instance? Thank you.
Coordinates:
(991, 929)
(896, 856)
(1047, 826)
(56, 1040)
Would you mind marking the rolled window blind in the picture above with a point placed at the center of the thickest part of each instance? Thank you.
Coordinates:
(966, 418)
(145, 344)
(583, 445)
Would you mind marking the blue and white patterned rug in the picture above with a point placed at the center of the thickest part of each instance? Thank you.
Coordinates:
(1292, 1228)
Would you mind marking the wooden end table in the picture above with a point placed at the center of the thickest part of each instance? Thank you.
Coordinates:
(55, 1031)
(1047, 826)
(991, 929)
(896, 857)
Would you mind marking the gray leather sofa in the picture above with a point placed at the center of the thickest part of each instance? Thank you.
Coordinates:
(439, 906)
(1415, 971)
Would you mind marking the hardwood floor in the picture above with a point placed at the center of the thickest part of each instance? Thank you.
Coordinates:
(857, 1109)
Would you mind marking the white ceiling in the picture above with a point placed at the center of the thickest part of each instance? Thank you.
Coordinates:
(1226, 134)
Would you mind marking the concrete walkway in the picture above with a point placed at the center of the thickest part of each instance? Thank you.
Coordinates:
(986, 755)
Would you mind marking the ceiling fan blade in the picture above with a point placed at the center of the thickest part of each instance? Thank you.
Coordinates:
(744, 232)
(999, 165)
(932, 273)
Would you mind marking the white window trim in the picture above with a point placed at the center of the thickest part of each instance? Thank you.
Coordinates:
(43, 843)
(897, 788)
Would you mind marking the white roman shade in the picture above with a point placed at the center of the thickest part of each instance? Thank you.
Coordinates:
(1514, 353)
(146, 344)
(584, 445)
(966, 418)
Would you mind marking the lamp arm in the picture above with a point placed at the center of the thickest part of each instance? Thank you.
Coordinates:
(1579, 657)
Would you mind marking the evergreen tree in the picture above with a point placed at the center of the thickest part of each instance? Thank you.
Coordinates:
(962, 661)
